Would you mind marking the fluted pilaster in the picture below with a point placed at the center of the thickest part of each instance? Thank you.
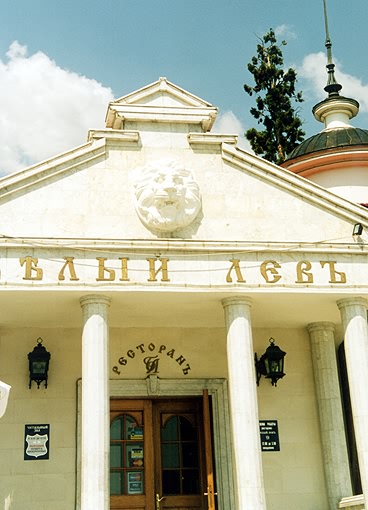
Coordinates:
(330, 411)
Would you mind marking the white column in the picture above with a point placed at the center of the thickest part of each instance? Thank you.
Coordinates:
(354, 320)
(335, 454)
(95, 404)
(243, 405)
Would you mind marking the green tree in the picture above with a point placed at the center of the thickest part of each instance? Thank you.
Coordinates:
(275, 96)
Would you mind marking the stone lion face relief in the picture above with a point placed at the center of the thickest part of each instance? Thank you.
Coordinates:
(167, 197)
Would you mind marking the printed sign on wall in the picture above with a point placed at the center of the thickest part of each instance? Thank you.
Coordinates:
(36, 442)
(269, 436)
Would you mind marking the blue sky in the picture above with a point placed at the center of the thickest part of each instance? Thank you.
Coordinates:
(61, 62)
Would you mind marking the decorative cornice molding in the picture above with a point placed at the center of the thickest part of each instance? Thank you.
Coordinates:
(211, 139)
(291, 182)
(37, 174)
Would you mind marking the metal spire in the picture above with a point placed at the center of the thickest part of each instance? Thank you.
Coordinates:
(332, 88)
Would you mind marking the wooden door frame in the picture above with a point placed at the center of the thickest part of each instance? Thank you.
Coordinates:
(152, 387)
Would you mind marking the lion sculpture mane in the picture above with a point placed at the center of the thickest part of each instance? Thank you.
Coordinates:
(167, 197)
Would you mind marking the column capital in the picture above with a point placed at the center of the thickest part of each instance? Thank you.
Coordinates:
(236, 300)
(352, 301)
(321, 326)
(94, 299)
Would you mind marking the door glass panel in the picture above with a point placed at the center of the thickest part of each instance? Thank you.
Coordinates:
(135, 482)
(187, 431)
(126, 455)
(179, 457)
(116, 428)
(190, 455)
(134, 454)
(116, 455)
(133, 430)
(170, 431)
(170, 456)
(171, 482)
(116, 479)
(190, 481)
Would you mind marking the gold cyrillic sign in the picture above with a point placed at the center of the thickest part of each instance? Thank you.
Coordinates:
(158, 270)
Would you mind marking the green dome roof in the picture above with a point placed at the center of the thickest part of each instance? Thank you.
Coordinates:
(331, 139)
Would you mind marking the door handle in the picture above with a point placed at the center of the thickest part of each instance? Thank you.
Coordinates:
(158, 500)
(210, 497)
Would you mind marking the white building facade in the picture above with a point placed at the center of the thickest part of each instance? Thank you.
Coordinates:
(153, 262)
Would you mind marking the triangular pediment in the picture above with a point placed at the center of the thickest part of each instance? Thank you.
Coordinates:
(89, 193)
(160, 101)
(94, 191)
(162, 93)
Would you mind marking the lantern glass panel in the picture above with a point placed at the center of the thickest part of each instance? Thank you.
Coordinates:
(39, 367)
(275, 367)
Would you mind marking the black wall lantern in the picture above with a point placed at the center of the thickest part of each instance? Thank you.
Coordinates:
(357, 229)
(39, 360)
(271, 363)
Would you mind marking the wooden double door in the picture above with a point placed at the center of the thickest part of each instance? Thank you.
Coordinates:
(161, 455)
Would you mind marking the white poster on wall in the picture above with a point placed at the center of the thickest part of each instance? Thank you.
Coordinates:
(4, 395)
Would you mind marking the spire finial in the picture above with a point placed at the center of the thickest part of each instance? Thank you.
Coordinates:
(332, 88)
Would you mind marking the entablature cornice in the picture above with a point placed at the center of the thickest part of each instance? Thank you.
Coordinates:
(163, 246)
(114, 135)
(166, 114)
(211, 139)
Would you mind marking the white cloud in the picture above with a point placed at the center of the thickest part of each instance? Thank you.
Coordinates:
(228, 123)
(44, 109)
(285, 31)
(314, 74)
